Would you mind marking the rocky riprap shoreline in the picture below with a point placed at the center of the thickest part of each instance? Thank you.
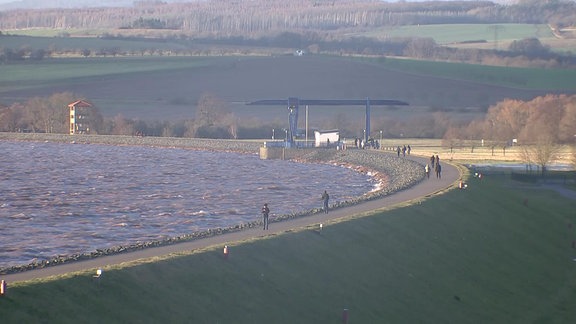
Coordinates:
(396, 174)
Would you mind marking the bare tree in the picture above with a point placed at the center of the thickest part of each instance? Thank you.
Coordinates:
(208, 109)
(49, 115)
(11, 118)
(213, 119)
(567, 127)
(456, 137)
(121, 126)
(545, 116)
(191, 127)
(506, 119)
(58, 111)
(543, 152)
(34, 111)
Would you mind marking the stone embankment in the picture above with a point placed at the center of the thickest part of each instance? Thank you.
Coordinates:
(394, 174)
(190, 143)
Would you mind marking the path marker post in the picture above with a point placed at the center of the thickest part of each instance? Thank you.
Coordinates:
(3, 288)
(226, 252)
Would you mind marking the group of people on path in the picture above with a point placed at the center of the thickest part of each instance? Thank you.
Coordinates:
(266, 210)
(435, 162)
(405, 149)
(433, 165)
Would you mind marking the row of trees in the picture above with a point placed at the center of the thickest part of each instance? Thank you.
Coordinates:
(251, 18)
(46, 115)
(51, 115)
(552, 117)
(526, 52)
(541, 126)
(9, 55)
(211, 118)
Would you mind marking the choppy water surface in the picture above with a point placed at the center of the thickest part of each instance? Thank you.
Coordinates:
(61, 199)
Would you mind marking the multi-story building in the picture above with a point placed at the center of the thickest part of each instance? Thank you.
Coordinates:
(80, 117)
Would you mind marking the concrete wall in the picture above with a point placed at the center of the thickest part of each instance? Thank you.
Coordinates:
(279, 153)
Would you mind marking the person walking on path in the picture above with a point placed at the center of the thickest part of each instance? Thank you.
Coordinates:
(325, 198)
(265, 213)
(427, 170)
(438, 171)
(432, 159)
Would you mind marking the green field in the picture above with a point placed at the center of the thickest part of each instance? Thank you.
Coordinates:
(497, 252)
(457, 33)
(68, 70)
(525, 78)
(15, 76)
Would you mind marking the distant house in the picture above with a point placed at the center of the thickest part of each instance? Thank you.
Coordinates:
(80, 116)
(299, 52)
(326, 137)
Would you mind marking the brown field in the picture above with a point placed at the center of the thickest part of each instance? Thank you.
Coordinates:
(172, 94)
(464, 154)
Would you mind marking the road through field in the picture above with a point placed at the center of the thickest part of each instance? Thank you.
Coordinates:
(427, 187)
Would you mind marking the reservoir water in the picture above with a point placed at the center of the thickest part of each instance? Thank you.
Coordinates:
(63, 199)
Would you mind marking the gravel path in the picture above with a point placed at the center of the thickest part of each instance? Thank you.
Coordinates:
(404, 177)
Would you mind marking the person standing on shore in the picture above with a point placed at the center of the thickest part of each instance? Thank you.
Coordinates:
(265, 213)
(325, 198)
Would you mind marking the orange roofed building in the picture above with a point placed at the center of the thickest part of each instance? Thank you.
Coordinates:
(80, 117)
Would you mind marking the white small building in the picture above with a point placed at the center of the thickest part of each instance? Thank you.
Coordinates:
(326, 137)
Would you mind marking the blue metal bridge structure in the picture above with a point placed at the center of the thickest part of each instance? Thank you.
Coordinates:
(294, 103)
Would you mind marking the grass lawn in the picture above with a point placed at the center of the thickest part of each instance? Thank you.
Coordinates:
(494, 253)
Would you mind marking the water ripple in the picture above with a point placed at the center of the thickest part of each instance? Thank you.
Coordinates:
(61, 199)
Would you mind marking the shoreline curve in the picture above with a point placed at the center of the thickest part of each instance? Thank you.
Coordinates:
(403, 175)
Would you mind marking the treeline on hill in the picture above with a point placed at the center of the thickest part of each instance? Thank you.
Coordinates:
(207, 28)
(522, 53)
(249, 18)
(551, 117)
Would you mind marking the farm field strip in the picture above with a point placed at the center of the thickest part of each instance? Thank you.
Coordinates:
(524, 78)
(68, 68)
(456, 33)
